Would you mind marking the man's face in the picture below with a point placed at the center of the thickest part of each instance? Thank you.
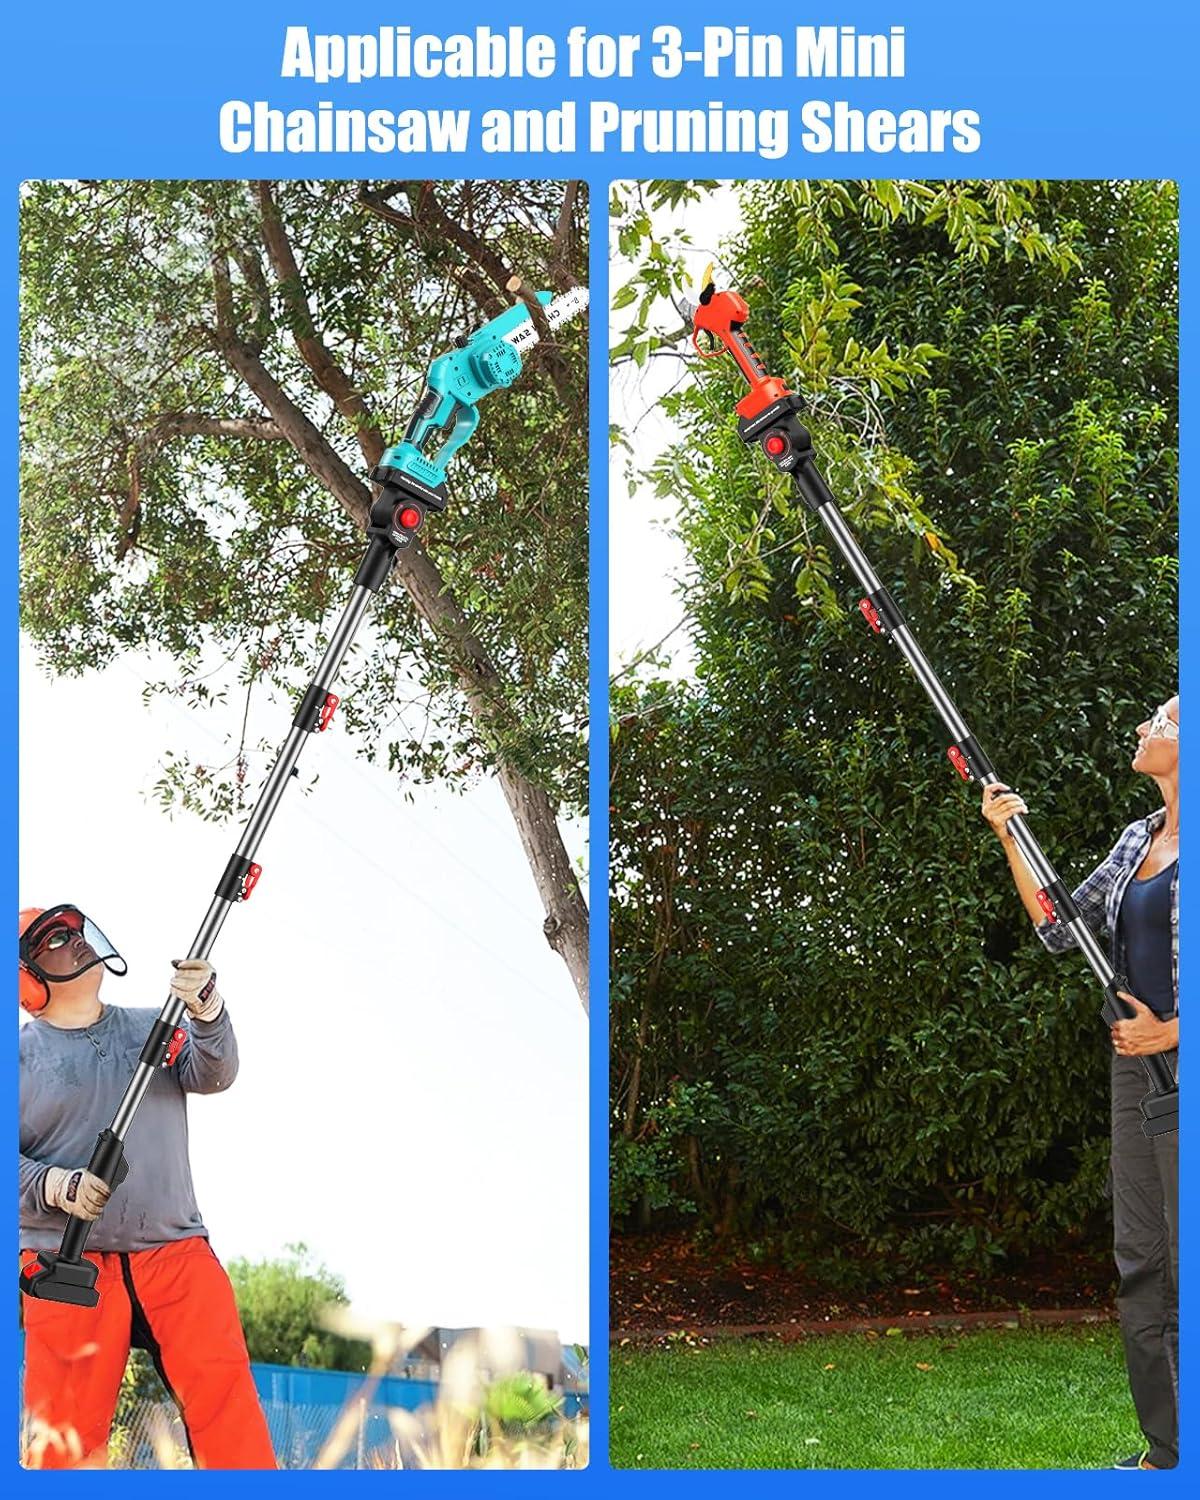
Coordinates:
(63, 950)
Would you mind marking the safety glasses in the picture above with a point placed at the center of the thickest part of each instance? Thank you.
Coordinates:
(59, 938)
(55, 930)
(1162, 725)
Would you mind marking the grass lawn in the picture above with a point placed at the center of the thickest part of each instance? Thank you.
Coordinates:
(1011, 1399)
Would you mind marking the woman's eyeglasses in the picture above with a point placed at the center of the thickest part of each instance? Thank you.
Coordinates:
(1162, 725)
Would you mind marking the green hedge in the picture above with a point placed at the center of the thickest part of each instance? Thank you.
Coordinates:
(832, 1028)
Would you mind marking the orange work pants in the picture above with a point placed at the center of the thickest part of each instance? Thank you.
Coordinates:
(176, 1302)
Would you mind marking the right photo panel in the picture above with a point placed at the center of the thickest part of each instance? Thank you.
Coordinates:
(895, 738)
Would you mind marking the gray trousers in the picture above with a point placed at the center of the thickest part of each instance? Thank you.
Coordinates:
(1145, 1200)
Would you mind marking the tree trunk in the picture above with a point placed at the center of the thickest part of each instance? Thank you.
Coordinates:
(566, 924)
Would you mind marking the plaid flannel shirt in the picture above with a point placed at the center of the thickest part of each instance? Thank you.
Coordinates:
(1099, 897)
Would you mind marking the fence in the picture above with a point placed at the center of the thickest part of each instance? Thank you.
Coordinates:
(153, 1436)
(347, 1422)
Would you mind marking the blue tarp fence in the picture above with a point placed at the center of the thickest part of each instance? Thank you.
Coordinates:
(303, 1406)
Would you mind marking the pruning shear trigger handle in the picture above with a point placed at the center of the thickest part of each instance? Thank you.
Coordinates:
(715, 347)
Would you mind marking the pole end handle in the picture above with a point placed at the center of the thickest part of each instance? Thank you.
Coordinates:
(52, 1278)
(1160, 1113)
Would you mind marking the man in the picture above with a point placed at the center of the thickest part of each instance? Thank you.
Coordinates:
(161, 1287)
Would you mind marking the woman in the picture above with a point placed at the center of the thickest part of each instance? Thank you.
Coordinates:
(1132, 899)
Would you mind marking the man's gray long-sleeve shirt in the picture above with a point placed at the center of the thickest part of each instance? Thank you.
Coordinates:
(71, 1083)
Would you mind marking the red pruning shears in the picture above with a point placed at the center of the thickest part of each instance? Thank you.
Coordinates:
(721, 316)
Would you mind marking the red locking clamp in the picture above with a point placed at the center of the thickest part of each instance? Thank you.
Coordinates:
(240, 878)
(959, 761)
(871, 615)
(331, 702)
(174, 1046)
(1047, 905)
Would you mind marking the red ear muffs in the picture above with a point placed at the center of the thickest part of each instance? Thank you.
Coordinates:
(33, 993)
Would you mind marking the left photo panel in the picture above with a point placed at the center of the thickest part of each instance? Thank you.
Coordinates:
(303, 946)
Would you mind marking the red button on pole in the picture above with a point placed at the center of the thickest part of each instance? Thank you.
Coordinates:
(775, 443)
(410, 518)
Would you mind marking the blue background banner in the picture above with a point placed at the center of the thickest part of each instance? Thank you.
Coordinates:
(1097, 90)
(1065, 90)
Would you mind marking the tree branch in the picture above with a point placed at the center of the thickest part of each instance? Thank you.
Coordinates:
(330, 376)
(564, 232)
(488, 301)
(252, 274)
(321, 459)
(165, 427)
(428, 210)
(174, 424)
(129, 517)
(222, 292)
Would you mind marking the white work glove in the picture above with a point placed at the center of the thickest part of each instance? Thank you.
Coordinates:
(195, 983)
(76, 1191)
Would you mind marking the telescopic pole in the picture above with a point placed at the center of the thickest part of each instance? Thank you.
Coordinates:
(768, 417)
(411, 482)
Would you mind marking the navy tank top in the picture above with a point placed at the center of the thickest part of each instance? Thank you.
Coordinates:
(1145, 931)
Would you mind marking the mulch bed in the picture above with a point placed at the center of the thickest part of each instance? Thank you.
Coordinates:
(662, 1285)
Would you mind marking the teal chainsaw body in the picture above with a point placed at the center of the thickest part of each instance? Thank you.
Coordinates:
(457, 382)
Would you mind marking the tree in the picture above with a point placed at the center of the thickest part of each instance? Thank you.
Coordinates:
(206, 366)
(281, 1304)
(831, 1027)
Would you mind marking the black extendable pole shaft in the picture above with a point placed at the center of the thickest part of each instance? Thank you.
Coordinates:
(66, 1276)
(75, 1238)
(787, 443)
(57, 1277)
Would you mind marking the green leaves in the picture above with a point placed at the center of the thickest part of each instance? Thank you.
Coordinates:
(812, 931)
(161, 507)
(281, 1304)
